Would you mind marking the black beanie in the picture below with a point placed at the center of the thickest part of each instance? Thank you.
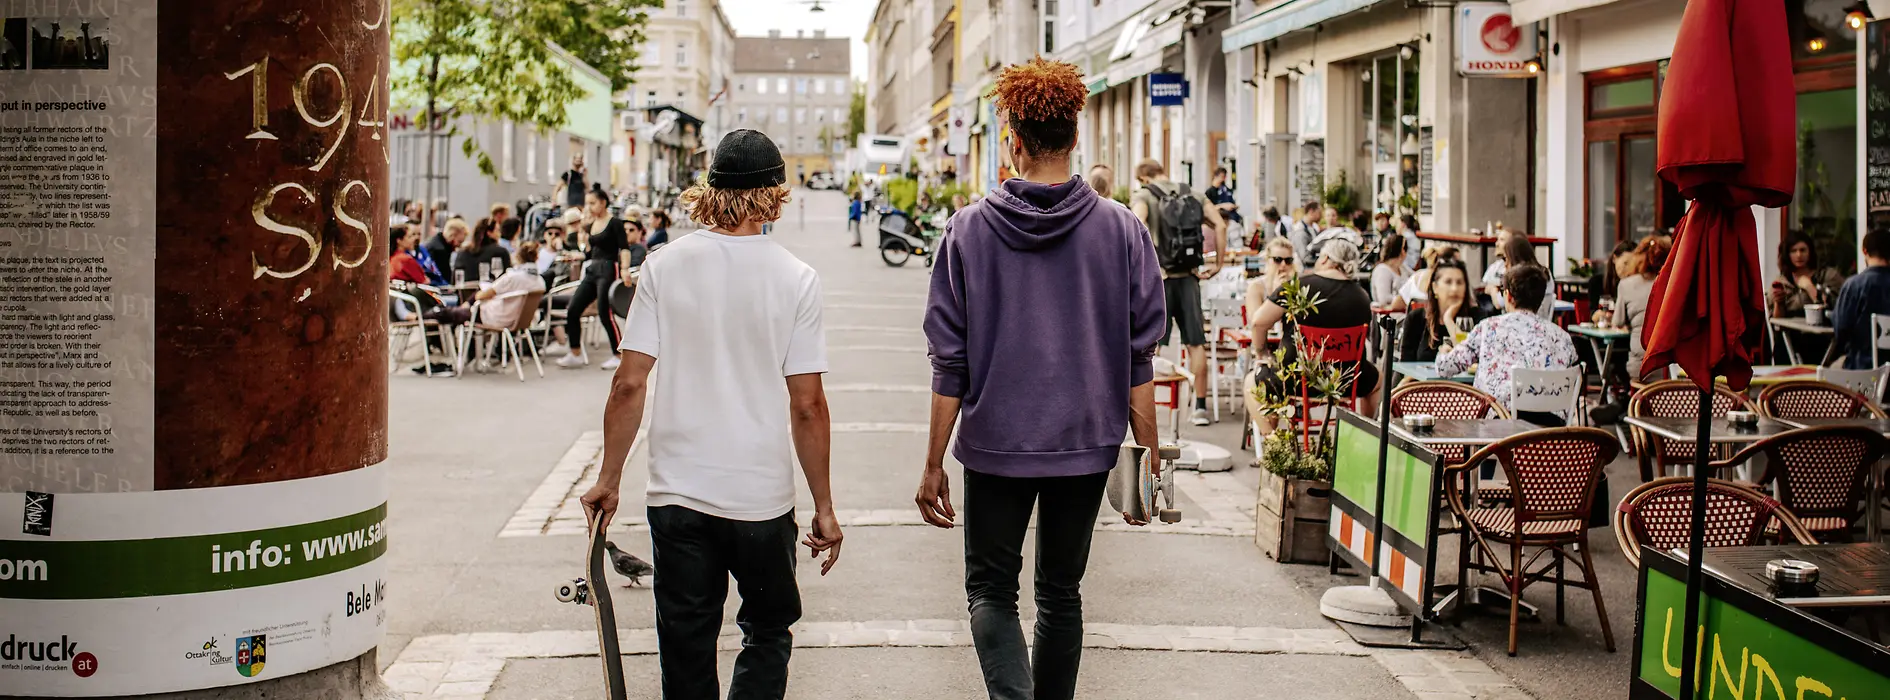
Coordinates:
(746, 160)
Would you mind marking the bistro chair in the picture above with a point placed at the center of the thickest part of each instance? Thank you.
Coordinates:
(1227, 337)
(1810, 399)
(1659, 514)
(1447, 400)
(1879, 338)
(1822, 474)
(1547, 391)
(1553, 472)
(1338, 346)
(1872, 383)
(1673, 398)
(509, 336)
(401, 329)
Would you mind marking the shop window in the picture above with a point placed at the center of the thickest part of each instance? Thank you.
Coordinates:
(1623, 96)
(1626, 199)
(1388, 104)
(1824, 207)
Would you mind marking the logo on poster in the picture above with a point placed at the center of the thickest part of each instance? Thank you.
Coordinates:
(1500, 34)
(49, 655)
(38, 518)
(209, 653)
(249, 655)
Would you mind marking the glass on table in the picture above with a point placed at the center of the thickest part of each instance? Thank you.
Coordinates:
(485, 271)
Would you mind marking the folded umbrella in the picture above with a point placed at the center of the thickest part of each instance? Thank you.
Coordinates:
(1728, 113)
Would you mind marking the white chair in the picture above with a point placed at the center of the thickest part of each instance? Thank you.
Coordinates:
(1226, 326)
(1547, 391)
(406, 308)
(1879, 337)
(509, 336)
(1869, 382)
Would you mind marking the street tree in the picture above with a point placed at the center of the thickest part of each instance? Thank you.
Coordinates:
(856, 113)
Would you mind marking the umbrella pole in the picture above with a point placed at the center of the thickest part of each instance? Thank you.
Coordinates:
(1689, 647)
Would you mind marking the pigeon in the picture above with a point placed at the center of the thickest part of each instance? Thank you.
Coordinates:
(629, 565)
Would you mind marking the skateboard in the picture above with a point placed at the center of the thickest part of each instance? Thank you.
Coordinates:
(593, 589)
(1135, 484)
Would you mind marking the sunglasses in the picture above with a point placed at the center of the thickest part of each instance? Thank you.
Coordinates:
(1282, 261)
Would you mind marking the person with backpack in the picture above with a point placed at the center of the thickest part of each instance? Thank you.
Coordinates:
(1174, 217)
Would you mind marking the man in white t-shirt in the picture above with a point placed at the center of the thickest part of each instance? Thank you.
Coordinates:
(735, 319)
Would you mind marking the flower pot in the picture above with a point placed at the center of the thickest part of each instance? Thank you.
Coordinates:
(1292, 519)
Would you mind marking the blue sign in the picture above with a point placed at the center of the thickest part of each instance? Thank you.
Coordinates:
(1166, 89)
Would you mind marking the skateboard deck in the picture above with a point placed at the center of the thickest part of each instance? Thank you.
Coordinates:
(594, 590)
(1139, 481)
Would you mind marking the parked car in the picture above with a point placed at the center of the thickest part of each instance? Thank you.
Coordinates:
(823, 181)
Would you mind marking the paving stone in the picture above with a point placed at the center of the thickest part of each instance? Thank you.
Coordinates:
(1200, 644)
(1099, 641)
(917, 638)
(463, 671)
(886, 625)
(862, 638)
(470, 688)
(938, 625)
(1433, 684)
(1213, 632)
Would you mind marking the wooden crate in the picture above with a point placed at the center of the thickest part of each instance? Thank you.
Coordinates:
(1292, 519)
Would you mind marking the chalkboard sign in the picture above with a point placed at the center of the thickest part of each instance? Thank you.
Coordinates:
(1427, 164)
(1311, 181)
(1877, 119)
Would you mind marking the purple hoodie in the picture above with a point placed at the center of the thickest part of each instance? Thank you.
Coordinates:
(1046, 307)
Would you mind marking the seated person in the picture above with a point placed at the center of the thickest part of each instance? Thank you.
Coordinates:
(1637, 288)
(402, 266)
(1863, 295)
(521, 277)
(1800, 280)
(1515, 245)
(1343, 304)
(1412, 292)
(1520, 338)
(1433, 328)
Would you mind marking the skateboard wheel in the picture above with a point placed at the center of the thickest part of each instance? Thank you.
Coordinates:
(1171, 515)
(1169, 452)
(567, 592)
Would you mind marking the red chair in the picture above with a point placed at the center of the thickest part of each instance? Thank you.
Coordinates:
(1337, 345)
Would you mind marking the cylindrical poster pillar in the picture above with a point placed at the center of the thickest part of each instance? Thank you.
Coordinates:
(193, 393)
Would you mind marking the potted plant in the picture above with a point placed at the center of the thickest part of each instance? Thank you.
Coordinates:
(1296, 465)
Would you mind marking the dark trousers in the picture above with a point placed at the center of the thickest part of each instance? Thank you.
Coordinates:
(997, 514)
(695, 553)
(598, 276)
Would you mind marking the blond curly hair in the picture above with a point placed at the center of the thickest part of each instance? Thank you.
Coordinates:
(729, 209)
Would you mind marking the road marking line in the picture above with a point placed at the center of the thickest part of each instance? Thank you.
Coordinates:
(535, 516)
(466, 665)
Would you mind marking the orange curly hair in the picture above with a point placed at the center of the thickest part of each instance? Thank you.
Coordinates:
(1041, 90)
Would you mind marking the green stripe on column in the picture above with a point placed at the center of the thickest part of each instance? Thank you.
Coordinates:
(53, 570)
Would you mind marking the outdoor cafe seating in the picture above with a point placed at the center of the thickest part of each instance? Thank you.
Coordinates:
(509, 337)
(1822, 474)
(1814, 399)
(1553, 473)
(1658, 513)
(1673, 398)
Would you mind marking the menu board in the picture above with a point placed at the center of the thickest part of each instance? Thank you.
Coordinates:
(1310, 179)
(1427, 164)
(1877, 119)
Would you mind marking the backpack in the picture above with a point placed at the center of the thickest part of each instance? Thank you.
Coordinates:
(1180, 215)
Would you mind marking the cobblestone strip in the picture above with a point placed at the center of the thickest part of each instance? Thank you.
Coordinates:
(464, 666)
(1447, 675)
(537, 514)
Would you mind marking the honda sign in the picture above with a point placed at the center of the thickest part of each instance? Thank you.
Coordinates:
(1490, 45)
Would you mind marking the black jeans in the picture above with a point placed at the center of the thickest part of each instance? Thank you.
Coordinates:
(695, 553)
(598, 276)
(997, 514)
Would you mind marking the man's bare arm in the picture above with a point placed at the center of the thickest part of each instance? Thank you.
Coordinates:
(935, 493)
(1142, 415)
(623, 416)
(813, 444)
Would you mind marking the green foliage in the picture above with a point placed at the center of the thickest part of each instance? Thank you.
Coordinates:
(942, 195)
(1121, 195)
(856, 114)
(1340, 195)
(1280, 454)
(1581, 268)
(1321, 380)
(496, 59)
(853, 184)
(902, 193)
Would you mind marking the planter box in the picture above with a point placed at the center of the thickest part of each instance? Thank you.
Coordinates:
(1291, 523)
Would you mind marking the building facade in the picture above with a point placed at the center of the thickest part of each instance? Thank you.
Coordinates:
(797, 90)
(685, 67)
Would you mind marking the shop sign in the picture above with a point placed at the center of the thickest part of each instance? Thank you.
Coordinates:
(1312, 105)
(1166, 89)
(1489, 44)
(958, 133)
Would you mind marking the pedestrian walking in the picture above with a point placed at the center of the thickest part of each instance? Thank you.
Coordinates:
(727, 422)
(856, 210)
(573, 183)
(1044, 313)
(1177, 219)
(607, 253)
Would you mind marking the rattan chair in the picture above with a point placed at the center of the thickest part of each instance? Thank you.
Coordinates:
(1553, 472)
(1447, 400)
(1659, 514)
(1822, 474)
(1674, 398)
(1809, 399)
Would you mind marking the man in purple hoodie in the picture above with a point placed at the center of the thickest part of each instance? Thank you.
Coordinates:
(1046, 307)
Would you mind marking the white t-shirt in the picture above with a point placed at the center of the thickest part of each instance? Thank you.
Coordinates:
(505, 312)
(728, 318)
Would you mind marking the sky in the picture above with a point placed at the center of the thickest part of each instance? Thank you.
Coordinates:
(846, 18)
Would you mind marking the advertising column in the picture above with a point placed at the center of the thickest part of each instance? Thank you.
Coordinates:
(193, 397)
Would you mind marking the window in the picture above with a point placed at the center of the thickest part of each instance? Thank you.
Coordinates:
(508, 134)
(839, 115)
(1049, 35)
(682, 54)
(682, 8)
(649, 100)
(800, 144)
(1626, 201)
(800, 86)
(800, 115)
(1388, 122)
(820, 87)
(761, 86)
(839, 86)
(679, 97)
(551, 172)
(741, 115)
(780, 85)
(780, 115)
(820, 117)
(531, 157)
(741, 86)
(651, 51)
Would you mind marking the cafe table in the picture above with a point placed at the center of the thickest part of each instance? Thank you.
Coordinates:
(1794, 326)
(1766, 375)
(1786, 641)
(1427, 371)
(1602, 340)
(1722, 431)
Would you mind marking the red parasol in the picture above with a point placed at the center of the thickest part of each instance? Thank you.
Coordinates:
(1728, 111)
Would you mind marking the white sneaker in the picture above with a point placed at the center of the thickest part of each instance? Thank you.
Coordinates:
(572, 361)
(611, 363)
(1200, 417)
(554, 350)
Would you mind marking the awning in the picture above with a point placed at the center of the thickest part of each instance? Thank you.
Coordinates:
(1286, 17)
(1097, 86)
(1522, 12)
(1146, 56)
